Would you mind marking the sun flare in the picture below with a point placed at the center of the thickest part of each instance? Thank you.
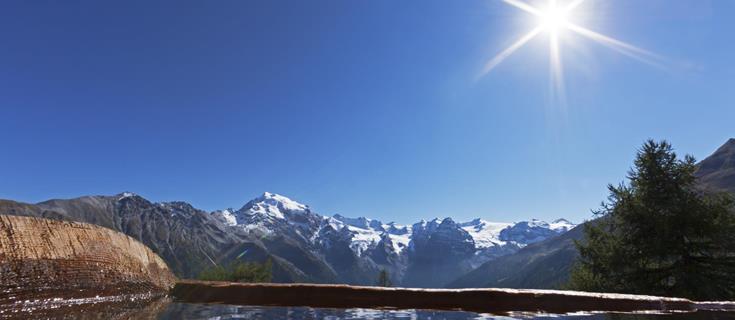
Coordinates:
(555, 19)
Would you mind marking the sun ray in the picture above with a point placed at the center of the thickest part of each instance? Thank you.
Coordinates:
(555, 18)
(556, 70)
(573, 5)
(524, 6)
(508, 51)
(620, 46)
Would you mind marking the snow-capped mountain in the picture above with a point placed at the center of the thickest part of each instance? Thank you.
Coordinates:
(308, 247)
(226, 216)
(527, 232)
(368, 232)
(368, 244)
(486, 234)
(303, 246)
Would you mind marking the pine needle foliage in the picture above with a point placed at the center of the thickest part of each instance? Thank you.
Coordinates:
(659, 234)
(239, 271)
(383, 279)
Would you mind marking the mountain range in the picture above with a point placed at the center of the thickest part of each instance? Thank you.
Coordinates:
(306, 246)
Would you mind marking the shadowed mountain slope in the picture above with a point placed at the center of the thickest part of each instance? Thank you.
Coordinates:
(188, 239)
(717, 172)
(546, 264)
(304, 246)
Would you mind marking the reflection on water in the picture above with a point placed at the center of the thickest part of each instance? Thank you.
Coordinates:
(199, 311)
(164, 309)
(222, 312)
(106, 307)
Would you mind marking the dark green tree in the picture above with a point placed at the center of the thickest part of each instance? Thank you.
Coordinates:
(659, 234)
(239, 271)
(383, 279)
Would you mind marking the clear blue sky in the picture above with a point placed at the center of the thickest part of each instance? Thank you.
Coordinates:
(354, 107)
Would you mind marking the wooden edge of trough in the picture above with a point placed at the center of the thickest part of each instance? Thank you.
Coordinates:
(489, 300)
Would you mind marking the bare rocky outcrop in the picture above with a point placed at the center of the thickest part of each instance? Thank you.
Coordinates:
(42, 258)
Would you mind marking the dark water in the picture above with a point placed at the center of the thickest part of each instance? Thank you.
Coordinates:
(201, 311)
(165, 309)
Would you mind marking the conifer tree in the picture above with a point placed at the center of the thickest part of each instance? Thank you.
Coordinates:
(239, 271)
(383, 279)
(659, 234)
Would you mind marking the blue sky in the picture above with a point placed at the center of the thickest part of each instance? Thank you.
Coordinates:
(354, 107)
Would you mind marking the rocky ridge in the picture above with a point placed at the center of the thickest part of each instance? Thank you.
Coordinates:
(303, 245)
(424, 254)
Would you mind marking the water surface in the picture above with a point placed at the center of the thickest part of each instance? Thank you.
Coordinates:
(165, 309)
(209, 311)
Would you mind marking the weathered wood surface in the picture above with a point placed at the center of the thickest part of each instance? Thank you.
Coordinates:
(477, 300)
(42, 258)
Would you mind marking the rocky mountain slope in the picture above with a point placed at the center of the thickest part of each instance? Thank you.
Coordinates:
(717, 172)
(542, 265)
(304, 246)
(425, 254)
(546, 264)
(188, 239)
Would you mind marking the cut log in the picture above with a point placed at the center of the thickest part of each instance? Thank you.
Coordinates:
(42, 258)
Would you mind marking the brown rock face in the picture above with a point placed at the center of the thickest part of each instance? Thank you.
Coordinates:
(41, 258)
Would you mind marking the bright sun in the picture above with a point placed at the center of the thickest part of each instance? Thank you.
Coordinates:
(555, 18)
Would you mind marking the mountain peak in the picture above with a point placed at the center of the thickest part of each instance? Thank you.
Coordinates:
(717, 172)
(125, 194)
(279, 200)
(534, 223)
(270, 195)
(273, 205)
(360, 222)
(562, 225)
(722, 158)
(474, 222)
(227, 216)
(448, 221)
(727, 146)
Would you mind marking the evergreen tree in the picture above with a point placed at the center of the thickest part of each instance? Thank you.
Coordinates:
(383, 279)
(659, 234)
(239, 271)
